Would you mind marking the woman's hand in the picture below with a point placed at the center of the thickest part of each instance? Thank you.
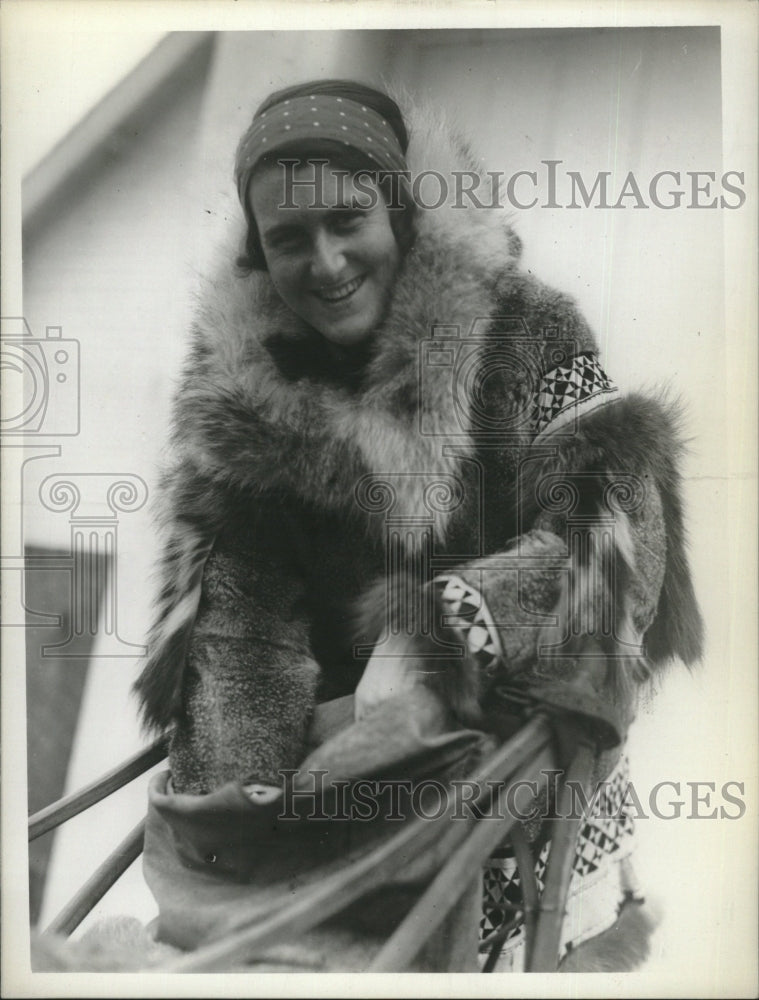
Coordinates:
(391, 670)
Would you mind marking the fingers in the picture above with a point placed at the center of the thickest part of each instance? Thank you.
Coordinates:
(387, 674)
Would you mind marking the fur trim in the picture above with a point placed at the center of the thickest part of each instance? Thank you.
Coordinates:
(593, 613)
(650, 458)
(622, 948)
(191, 513)
(113, 944)
(243, 428)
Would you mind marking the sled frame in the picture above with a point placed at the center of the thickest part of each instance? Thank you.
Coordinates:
(523, 758)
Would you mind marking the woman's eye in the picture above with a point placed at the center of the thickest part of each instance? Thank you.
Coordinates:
(347, 220)
(286, 242)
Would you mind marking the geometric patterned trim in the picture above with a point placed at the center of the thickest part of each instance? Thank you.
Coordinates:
(570, 390)
(468, 615)
(602, 877)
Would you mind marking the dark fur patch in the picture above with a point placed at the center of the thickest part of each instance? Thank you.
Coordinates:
(159, 686)
(635, 436)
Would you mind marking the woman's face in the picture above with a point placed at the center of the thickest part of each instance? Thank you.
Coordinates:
(333, 266)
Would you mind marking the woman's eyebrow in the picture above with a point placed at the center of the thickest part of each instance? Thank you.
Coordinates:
(354, 204)
(289, 227)
(280, 229)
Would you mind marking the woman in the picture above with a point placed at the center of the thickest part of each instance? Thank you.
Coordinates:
(399, 471)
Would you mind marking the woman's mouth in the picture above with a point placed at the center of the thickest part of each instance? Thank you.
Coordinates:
(339, 293)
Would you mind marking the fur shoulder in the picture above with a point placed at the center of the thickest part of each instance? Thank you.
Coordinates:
(637, 436)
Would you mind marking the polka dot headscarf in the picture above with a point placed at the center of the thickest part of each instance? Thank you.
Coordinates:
(343, 112)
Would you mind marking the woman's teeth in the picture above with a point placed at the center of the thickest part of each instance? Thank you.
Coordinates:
(341, 292)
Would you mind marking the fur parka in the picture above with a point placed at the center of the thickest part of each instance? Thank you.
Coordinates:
(306, 499)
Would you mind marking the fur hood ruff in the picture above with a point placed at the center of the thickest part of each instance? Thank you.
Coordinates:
(242, 425)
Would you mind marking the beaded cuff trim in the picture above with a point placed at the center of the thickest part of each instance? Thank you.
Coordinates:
(570, 391)
(466, 611)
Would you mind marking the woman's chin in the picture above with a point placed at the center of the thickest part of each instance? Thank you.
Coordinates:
(348, 334)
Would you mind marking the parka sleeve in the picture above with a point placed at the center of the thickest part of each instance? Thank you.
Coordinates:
(598, 561)
(230, 670)
(596, 567)
(250, 679)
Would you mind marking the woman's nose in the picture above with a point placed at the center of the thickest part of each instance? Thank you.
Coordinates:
(327, 257)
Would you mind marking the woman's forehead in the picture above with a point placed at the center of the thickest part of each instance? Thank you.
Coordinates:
(310, 185)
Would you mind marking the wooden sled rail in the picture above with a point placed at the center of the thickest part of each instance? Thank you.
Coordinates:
(64, 809)
(524, 758)
(445, 890)
(466, 844)
(98, 884)
(114, 866)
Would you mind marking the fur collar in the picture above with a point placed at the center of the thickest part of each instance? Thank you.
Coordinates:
(241, 423)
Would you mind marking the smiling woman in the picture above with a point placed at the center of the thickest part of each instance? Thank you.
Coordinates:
(321, 214)
(403, 478)
(333, 266)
